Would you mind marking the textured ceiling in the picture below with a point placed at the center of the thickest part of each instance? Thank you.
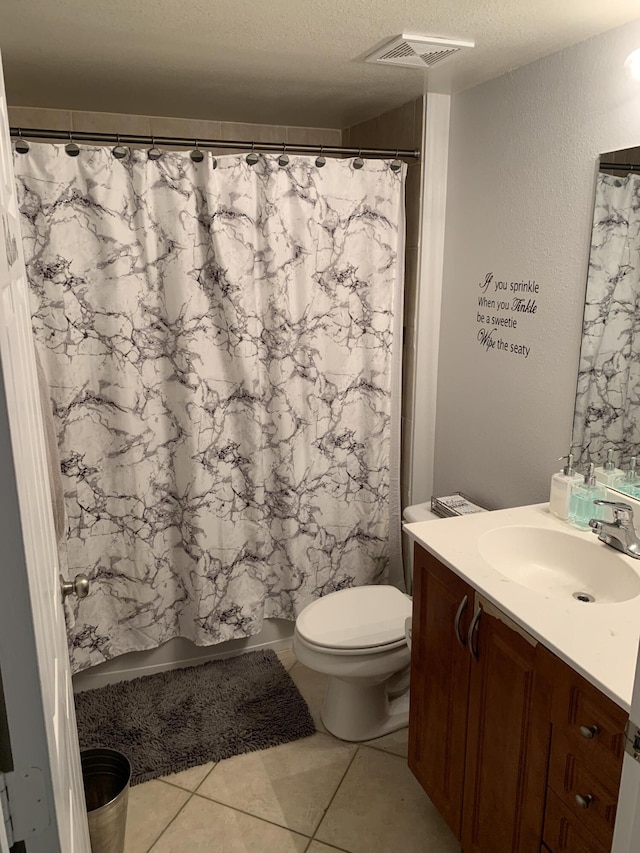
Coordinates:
(275, 62)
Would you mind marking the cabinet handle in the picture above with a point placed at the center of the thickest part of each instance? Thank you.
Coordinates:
(584, 802)
(456, 625)
(473, 651)
(589, 731)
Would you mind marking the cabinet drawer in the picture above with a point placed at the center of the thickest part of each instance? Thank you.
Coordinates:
(562, 832)
(593, 725)
(574, 779)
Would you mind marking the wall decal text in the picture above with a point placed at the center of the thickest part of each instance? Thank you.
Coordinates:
(504, 306)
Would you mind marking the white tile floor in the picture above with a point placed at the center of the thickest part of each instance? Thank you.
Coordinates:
(316, 795)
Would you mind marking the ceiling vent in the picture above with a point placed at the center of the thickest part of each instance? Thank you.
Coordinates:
(417, 51)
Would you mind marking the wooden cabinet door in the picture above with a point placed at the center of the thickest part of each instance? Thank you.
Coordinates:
(439, 684)
(507, 741)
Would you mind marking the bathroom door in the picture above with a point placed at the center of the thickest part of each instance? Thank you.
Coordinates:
(626, 838)
(34, 662)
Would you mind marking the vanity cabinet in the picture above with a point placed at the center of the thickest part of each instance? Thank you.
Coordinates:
(440, 667)
(478, 727)
(517, 751)
(507, 738)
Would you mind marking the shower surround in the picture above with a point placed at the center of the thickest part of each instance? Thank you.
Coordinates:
(222, 348)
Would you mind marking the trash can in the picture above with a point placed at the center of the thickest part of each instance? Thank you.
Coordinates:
(106, 774)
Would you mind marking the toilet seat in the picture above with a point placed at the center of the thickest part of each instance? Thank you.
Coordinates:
(359, 618)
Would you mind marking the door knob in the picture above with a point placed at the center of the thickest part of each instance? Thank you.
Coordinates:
(589, 731)
(78, 586)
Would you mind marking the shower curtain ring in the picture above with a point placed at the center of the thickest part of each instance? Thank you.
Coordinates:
(21, 146)
(320, 160)
(358, 162)
(283, 159)
(196, 155)
(154, 153)
(71, 148)
(396, 164)
(119, 151)
(252, 157)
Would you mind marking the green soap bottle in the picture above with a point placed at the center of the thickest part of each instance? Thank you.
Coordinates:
(581, 505)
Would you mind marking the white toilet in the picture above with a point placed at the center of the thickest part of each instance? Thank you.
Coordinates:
(357, 637)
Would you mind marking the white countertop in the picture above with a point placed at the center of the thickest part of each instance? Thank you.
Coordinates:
(598, 640)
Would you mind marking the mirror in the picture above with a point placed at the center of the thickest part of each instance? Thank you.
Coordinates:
(607, 410)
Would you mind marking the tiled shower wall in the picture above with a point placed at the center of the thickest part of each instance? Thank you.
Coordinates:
(625, 156)
(398, 128)
(163, 126)
(402, 128)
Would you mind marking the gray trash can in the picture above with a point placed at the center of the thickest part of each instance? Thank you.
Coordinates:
(106, 774)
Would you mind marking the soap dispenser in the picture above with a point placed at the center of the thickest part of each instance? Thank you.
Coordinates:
(581, 505)
(561, 488)
(607, 474)
(629, 481)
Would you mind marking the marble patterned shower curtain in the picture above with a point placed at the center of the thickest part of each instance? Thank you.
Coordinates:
(222, 349)
(607, 413)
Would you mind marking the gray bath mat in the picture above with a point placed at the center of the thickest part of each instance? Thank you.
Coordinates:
(174, 720)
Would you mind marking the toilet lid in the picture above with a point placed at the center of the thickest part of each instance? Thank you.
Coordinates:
(357, 618)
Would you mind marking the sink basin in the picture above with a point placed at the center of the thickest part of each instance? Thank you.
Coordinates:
(559, 565)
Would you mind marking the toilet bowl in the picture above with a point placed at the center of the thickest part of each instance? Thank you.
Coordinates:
(357, 637)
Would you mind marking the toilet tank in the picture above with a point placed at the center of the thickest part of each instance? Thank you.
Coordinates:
(417, 512)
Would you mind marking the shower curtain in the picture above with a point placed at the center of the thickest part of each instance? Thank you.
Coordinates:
(222, 347)
(607, 413)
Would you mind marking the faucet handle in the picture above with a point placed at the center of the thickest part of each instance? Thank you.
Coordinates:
(622, 513)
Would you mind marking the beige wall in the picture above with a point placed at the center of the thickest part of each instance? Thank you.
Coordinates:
(402, 128)
(164, 126)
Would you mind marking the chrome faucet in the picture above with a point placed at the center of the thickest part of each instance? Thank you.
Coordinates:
(619, 533)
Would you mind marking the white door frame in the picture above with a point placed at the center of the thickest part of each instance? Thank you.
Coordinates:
(45, 790)
(626, 837)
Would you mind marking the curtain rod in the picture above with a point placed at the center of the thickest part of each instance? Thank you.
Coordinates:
(185, 142)
(620, 167)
